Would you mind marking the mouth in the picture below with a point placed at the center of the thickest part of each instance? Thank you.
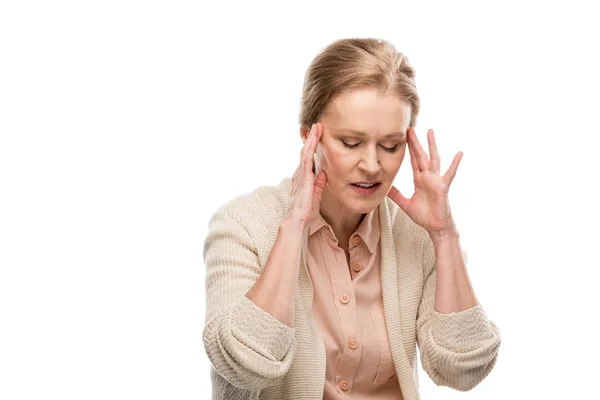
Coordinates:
(366, 187)
(366, 184)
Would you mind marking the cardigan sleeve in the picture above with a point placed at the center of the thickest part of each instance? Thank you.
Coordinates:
(247, 346)
(457, 350)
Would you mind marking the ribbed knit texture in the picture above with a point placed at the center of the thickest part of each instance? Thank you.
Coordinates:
(255, 356)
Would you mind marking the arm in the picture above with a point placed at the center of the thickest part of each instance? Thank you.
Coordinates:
(454, 292)
(274, 290)
(247, 345)
(457, 342)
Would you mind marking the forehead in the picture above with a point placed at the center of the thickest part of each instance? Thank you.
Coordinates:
(369, 111)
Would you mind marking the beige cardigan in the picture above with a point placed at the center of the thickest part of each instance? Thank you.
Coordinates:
(255, 356)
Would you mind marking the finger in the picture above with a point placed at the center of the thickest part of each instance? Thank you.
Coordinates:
(451, 173)
(398, 198)
(310, 151)
(413, 156)
(422, 159)
(308, 141)
(316, 138)
(320, 182)
(295, 179)
(433, 152)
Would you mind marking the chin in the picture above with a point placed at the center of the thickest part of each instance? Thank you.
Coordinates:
(364, 206)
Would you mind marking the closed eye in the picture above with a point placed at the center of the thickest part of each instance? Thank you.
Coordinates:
(388, 149)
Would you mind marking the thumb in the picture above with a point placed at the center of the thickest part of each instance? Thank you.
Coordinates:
(398, 198)
(320, 181)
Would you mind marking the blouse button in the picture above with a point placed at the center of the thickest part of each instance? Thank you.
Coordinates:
(357, 266)
(344, 385)
(344, 299)
(356, 240)
(352, 343)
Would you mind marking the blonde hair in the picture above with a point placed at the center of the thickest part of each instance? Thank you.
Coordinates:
(349, 64)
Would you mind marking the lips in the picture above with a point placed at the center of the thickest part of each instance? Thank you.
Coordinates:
(366, 185)
(365, 190)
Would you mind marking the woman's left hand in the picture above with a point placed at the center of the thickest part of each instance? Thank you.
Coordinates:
(429, 206)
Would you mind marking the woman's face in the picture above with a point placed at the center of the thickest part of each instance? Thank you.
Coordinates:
(364, 139)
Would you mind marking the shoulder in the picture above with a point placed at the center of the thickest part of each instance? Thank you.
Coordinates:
(263, 206)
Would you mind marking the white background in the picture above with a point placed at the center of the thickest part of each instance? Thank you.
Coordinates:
(124, 125)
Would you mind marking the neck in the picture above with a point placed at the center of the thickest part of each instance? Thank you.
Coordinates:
(343, 221)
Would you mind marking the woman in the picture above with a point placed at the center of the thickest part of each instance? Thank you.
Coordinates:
(321, 287)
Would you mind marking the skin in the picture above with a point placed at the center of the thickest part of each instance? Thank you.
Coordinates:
(377, 116)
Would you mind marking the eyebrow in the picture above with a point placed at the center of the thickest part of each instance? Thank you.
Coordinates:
(361, 133)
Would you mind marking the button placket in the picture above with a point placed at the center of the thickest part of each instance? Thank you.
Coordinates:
(343, 290)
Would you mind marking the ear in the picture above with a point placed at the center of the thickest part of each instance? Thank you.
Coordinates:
(304, 131)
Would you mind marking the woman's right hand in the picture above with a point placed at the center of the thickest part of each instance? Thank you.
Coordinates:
(307, 190)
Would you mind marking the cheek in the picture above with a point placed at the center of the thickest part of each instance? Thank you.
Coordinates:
(333, 159)
(393, 163)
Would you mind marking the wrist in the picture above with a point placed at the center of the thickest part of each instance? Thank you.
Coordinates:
(444, 235)
(294, 224)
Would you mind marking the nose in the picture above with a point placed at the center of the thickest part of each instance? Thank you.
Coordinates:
(370, 162)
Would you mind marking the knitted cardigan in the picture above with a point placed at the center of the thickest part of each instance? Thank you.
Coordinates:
(256, 356)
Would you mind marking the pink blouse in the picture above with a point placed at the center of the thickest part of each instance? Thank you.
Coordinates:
(348, 309)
